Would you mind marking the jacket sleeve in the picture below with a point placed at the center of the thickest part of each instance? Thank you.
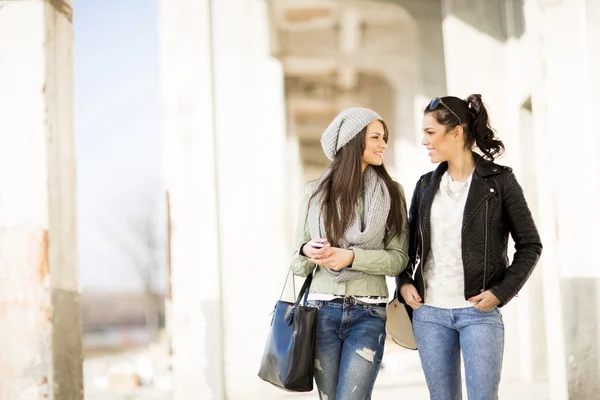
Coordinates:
(393, 258)
(301, 266)
(406, 275)
(528, 244)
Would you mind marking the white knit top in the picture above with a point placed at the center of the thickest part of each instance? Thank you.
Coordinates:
(444, 274)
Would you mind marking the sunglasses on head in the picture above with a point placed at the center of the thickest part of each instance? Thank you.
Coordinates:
(437, 101)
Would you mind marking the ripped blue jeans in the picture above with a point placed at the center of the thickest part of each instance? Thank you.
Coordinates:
(348, 349)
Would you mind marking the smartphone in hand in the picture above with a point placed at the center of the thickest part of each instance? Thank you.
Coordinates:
(317, 245)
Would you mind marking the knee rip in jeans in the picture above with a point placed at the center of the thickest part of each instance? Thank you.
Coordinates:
(367, 354)
(318, 365)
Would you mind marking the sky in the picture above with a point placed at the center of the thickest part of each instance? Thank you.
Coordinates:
(117, 130)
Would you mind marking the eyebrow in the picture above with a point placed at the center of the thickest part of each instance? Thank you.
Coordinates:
(375, 133)
(429, 127)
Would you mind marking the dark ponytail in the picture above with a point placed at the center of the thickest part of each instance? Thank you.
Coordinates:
(482, 134)
(472, 115)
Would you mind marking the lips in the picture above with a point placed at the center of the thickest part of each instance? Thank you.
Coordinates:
(378, 154)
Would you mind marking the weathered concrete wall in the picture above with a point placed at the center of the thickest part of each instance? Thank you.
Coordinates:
(39, 298)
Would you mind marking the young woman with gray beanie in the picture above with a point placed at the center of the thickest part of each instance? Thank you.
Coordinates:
(353, 230)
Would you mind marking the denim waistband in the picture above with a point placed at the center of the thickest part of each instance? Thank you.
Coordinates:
(347, 301)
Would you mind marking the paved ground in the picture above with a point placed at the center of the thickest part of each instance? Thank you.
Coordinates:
(400, 378)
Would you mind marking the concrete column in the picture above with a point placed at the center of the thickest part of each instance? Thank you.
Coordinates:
(528, 354)
(567, 97)
(537, 154)
(567, 83)
(251, 159)
(592, 13)
(411, 158)
(190, 180)
(224, 170)
(40, 317)
(593, 38)
(475, 57)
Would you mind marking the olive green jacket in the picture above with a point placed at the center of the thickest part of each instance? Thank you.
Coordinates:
(375, 264)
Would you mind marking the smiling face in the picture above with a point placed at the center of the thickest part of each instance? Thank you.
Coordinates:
(442, 145)
(375, 144)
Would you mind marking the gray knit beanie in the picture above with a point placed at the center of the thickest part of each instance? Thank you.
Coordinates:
(345, 127)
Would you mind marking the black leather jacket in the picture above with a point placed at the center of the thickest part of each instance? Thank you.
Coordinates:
(494, 208)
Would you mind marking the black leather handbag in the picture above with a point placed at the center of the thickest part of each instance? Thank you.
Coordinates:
(288, 359)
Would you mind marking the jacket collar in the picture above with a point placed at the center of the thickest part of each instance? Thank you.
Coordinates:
(483, 168)
(479, 191)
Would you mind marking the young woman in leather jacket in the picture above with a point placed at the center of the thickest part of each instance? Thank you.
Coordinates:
(459, 275)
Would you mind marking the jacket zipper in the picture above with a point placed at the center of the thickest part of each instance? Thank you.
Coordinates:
(485, 246)
(422, 259)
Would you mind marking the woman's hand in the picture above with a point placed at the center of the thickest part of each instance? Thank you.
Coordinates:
(335, 258)
(411, 296)
(316, 252)
(486, 301)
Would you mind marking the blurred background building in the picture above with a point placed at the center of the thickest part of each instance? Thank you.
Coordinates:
(240, 91)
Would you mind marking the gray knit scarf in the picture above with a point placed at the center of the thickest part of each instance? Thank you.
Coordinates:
(367, 236)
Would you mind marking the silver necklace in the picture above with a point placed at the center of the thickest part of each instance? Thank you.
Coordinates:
(455, 195)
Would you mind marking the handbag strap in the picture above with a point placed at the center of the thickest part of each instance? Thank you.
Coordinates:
(285, 283)
(294, 285)
(304, 290)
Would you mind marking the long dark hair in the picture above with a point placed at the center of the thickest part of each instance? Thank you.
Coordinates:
(342, 186)
(474, 121)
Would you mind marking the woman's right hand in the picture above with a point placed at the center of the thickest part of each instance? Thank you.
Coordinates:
(317, 253)
(411, 296)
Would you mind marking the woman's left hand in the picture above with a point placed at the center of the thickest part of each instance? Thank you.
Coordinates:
(486, 301)
(337, 259)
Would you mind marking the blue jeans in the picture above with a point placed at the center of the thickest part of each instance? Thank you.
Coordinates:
(441, 334)
(348, 349)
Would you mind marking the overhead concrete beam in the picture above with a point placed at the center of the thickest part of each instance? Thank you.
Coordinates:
(320, 65)
(311, 105)
(305, 15)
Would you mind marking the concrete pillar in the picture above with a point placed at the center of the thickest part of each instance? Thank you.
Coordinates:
(529, 352)
(40, 316)
(593, 38)
(225, 145)
(251, 159)
(190, 180)
(571, 202)
(411, 160)
(537, 154)
(592, 13)
(567, 80)
(423, 79)
(567, 90)
(475, 57)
